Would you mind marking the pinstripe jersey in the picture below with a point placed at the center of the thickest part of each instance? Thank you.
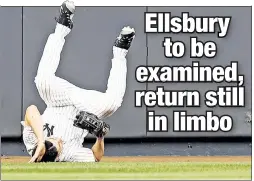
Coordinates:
(65, 100)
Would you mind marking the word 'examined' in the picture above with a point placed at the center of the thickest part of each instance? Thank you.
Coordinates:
(165, 23)
(195, 73)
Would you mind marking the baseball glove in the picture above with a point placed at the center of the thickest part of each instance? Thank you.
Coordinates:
(91, 122)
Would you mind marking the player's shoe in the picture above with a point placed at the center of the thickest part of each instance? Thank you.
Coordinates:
(125, 38)
(66, 14)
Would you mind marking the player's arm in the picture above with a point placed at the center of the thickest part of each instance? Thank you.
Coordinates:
(33, 119)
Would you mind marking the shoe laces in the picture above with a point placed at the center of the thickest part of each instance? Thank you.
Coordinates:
(126, 39)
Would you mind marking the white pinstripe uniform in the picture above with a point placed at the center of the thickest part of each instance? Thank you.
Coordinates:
(64, 100)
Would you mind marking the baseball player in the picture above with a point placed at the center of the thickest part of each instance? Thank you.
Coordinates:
(58, 133)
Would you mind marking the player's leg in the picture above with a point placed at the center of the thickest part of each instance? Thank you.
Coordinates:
(105, 104)
(52, 89)
(117, 79)
(51, 55)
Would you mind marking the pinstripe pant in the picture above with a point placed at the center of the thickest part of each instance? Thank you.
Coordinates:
(64, 100)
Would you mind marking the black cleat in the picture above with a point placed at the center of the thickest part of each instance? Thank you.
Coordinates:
(66, 14)
(125, 38)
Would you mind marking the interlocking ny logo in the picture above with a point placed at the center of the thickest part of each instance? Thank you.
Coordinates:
(50, 129)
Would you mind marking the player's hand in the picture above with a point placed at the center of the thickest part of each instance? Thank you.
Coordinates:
(40, 151)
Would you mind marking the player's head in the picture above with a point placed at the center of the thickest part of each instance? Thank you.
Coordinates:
(53, 149)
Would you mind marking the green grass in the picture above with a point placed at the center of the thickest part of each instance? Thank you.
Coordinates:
(125, 170)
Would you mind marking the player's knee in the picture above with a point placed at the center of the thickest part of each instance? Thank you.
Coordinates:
(43, 78)
(43, 82)
(117, 103)
(38, 81)
(118, 100)
(114, 102)
(110, 109)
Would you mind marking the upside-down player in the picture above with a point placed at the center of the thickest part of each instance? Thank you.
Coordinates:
(52, 136)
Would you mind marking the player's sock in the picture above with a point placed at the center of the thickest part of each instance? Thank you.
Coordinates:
(119, 52)
(62, 30)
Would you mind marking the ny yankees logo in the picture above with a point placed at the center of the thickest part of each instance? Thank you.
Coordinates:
(50, 130)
